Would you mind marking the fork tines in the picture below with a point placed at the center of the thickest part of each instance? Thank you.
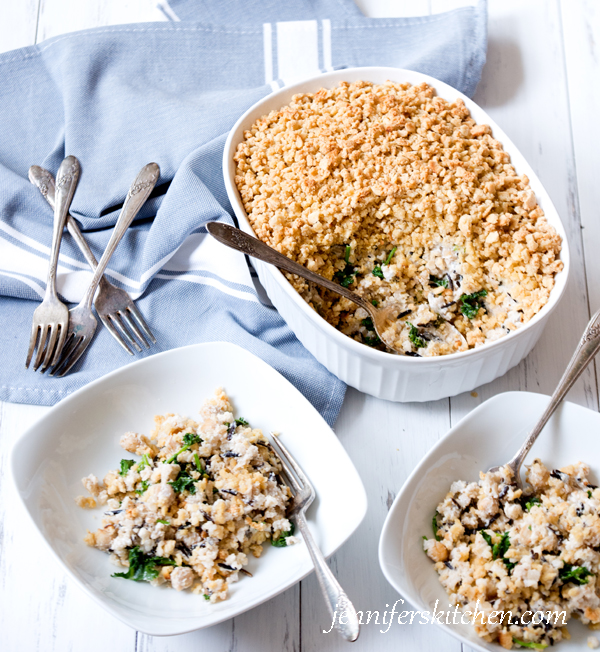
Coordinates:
(72, 351)
(51, 317)
(304, 492)
(75, 346)
(119, 324)
(46, 337)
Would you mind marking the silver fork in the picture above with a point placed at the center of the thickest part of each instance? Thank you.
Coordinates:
(304, 494)
(82, 323)
(111, 302)
(51, 317)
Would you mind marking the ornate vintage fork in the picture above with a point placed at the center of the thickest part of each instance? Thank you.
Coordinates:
(304, 494)
(240, 241)
(82, 323)
(51, 317)
(111, 302)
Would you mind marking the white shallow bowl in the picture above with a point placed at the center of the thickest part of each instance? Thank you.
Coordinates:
(81, 435)
(385, 375)
(488, 436)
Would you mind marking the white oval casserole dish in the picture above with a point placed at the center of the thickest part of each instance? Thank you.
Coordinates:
(381, 374)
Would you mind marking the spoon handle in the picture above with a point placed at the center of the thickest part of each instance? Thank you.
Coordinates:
(240, 241)
(584, 353)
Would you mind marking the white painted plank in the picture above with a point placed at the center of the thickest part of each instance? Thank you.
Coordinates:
(440, 6)
(527, 94)
(274, 626)
(385, 440)
(525, 91)
(18, 24)
(409, 8)
(394, 8)
(40, 608)
(581, 29)
(63, 16)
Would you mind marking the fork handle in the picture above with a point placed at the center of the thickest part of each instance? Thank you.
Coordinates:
(45, 183)
(67, 178)
(586, 350)
(137, 195)
(240, 241)
(338, 603)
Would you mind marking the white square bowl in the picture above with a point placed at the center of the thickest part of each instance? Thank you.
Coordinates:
(80, 435)
(488, 436)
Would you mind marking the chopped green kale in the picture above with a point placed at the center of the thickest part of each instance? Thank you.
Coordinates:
(471, 303)
(488, 539)
(434, 525)
(534, 646)
(440, 282)
(575, 574)
(415, 338)
(183, 482)
(189, 439)
(145, 485)
(281, 541)
(145, 461)
(346, 276)
(125, 466)
(500, 549)
(388, 260)
(368, 324)
(143, 568)
(370, 340)
(377, 271)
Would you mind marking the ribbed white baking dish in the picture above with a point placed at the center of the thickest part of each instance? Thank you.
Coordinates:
(385, 375)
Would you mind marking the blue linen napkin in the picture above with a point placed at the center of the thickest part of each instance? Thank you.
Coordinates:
(120, 97)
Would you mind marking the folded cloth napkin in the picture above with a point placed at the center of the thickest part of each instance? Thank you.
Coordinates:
(120, 97)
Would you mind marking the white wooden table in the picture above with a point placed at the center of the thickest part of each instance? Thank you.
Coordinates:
(541, 83)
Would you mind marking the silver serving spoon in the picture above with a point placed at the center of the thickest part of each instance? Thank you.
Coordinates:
(584, 353)
(240, 241)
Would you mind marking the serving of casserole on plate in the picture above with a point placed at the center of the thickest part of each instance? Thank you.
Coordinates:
(80, 436)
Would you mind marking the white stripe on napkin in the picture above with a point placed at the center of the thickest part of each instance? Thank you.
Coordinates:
(201, 253)
(204, 280)
(71, 284)
(268, 52)
(33, 244)
(327, 59)
(26, 262)
(297, 50)
(198, 253)
(23, 261)
(34, 286)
